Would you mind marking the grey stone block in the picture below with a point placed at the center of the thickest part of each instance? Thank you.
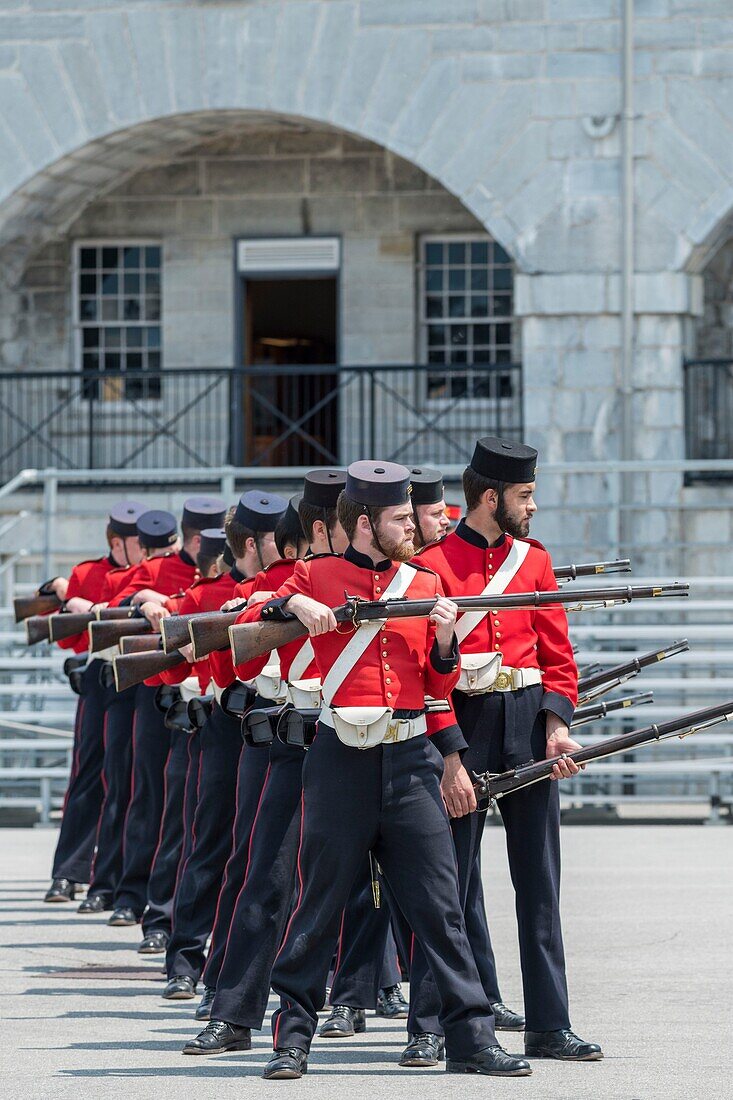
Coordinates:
(510, 66)
(40, 68)
(265, 176)
(593, 177)
(559, 294)
(564, 36)
(396, 82)
(601, 36)
(704, 123)
(180, 178)
(553, 99)
(522, 37)
(109, 36)
(292, 51)
(241, 216)
(425, 106)
(83, 72)
(681, 159)
(419, 12)
(146, 30)
(22, 117)
(362, 64)
(183, 36)
(577, 9)
(455, 40)
(326, 67)
(46, 27)
(582, 63)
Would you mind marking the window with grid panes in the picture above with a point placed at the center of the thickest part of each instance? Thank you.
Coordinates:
(466, 316)
(118, 288)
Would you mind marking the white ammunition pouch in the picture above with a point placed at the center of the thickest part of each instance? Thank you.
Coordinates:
(367, 727)
(305, 694)
(269, 683)
(190, 688)
(478, 672)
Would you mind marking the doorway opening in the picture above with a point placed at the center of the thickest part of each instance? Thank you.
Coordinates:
(290, 416)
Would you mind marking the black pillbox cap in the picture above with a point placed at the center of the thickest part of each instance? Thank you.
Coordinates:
(378, 484)
(427, 485)
(213, 541)
(157, 529)
(322, 488)
(503, 460)
(260, 511)
(124, 516)
(203, 512)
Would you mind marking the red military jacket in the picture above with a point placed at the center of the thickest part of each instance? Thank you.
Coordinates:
(401, 665)
(170, 574)
(536, 638)
(270, 580)
(114, 582)
(221, 663)
(205, 594)
(87, 581)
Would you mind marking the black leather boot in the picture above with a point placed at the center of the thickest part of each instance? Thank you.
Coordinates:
(286, 1064)
(426, 1049)
(491, 1061)
(61, 890)
(563, 1044)
(217, 1037)
(343, 1022)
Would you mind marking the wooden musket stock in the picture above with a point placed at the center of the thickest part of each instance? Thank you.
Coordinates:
(139, 643)
(27, 606)
(133, 668)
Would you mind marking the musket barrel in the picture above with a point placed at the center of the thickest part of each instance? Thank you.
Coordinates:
(632, 666)
(497, 786)
(591, 569)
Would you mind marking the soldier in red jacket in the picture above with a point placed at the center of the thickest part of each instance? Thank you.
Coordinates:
(117, 767)
(514, 703)
(82, 804)
(156, 581)
(264, 902)
(182, 766)
(372, 769)
(230, 779)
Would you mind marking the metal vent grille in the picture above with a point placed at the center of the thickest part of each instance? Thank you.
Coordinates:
(293, 254)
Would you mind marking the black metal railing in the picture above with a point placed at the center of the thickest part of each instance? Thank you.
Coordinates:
(708, 414)
(253, 416)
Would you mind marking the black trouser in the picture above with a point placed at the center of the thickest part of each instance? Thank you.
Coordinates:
(190, 798)
(503, 730)
(262, 907)
(83, 801)
(386, 800)
(117, 776)
(366, 955)
(150, 746)
(251, 774)
(201, 873)
(164, 869)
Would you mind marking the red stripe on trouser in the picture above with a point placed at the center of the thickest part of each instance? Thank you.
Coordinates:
(77, 752)
(132, 785)
(249, 850)
(105, 785)
(295, 910)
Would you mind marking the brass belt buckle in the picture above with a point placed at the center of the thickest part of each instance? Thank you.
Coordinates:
(503, 681)
(392, 732)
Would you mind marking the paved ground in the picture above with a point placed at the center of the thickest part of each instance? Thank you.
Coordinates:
(647, 914)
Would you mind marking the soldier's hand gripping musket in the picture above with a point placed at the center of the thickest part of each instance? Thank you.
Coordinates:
(211, 629)
(490, 787)
(592, 687)
(251, 640)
